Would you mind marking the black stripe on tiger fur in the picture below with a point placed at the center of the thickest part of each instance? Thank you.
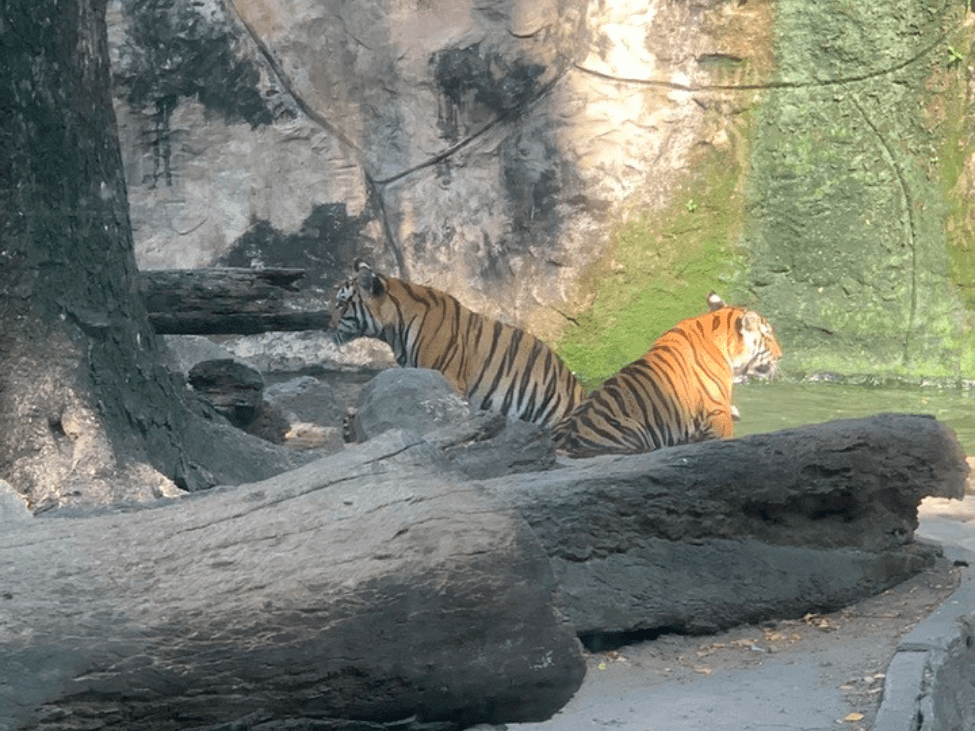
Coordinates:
(494, 365)
(680, 391)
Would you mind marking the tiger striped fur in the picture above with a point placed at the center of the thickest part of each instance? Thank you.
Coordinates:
(680, 391)
(494, 365)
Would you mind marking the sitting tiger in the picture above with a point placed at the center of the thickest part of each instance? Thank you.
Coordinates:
(494, 365)
(680, 391)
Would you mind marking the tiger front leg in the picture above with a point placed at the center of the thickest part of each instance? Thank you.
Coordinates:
(719, 424)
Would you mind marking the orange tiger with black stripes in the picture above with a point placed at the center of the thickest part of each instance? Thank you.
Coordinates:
(494, 365)
(680, 391)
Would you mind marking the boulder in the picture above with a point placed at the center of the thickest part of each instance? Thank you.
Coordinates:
(306, 399)
(312, 411)
(479, 444)
(235, 389)
(418, 399)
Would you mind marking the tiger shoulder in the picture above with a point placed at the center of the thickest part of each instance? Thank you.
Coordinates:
(494, 365)
(679, 391)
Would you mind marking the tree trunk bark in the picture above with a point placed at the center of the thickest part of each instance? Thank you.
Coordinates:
(85, 404)
(306, 598)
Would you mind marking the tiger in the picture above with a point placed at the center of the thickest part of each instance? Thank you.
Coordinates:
(495, 366)
(678, 392)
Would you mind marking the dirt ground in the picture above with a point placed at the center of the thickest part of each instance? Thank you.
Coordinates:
(852, 646)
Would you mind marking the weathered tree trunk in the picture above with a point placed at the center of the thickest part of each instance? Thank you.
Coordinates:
(85, 405)
(353, 591)
(227, 301)
(79, 384)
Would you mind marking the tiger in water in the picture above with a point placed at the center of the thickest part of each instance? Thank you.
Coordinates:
(494, 365)
(680, 391)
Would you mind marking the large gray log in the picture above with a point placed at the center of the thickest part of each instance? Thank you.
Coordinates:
(349, 591)
(710, 535)
(227, 300)
(364, 586)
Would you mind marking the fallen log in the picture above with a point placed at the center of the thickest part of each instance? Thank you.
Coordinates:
(374, 586)
(227, 300)
(343, 592)
(706, 536)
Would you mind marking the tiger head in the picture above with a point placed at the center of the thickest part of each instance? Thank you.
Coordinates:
(752, 348)
(353, 305)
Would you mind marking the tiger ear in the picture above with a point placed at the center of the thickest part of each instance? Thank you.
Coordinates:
(368, 281)
(714, 301)
(750, 321)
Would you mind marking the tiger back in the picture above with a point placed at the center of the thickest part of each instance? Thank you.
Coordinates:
(680, 391)
(494, 365)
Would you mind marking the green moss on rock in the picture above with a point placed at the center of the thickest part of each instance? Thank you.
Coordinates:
(854, 236)
(950, 115)
(845, 241)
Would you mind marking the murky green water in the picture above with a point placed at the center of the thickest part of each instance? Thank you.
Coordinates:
(781, 404)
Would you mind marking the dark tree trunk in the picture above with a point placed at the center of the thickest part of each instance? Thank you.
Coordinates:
(85, 406)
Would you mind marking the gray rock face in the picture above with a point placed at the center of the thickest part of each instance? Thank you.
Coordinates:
(480, 150)
(12, 505)
(496, 151)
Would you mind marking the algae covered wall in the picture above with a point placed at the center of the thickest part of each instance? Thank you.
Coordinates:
(843, 212)
(846, 211)
(666, 253)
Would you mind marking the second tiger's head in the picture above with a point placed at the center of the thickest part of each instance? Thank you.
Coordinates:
(753, 349)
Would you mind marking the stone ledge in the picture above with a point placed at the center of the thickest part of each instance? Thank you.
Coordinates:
(931, 677)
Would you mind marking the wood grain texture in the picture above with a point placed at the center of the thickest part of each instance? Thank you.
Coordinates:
(352, 589)
(228, 300)
(375, 586)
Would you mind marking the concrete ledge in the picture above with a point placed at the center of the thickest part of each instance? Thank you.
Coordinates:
(930, 684)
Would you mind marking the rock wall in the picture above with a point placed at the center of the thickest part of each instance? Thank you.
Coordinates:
(585, 169)
(849, 167)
